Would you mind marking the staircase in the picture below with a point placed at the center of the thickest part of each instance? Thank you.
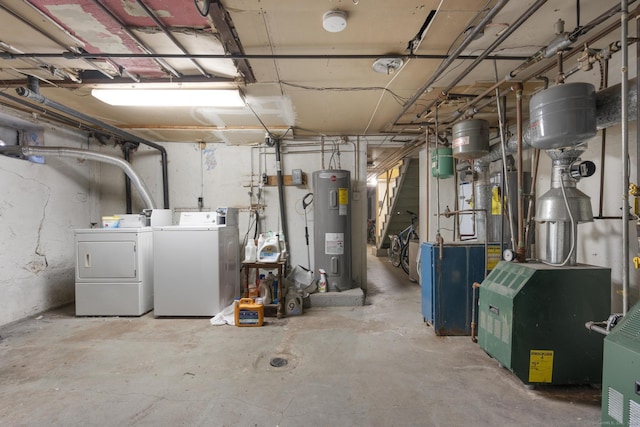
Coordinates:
(402, 195)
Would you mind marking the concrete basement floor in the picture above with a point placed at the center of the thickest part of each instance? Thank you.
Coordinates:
(374, 365)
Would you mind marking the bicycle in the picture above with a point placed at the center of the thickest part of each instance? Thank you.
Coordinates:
(399, 248)
(371, 231)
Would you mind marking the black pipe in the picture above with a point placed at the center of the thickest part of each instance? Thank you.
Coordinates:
(283, 211)
(126, 149)
(24, 92)
(603, 138)
(87, 55)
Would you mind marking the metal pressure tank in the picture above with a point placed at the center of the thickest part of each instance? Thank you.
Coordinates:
(562, 116)
(470, 139)
(332, 226)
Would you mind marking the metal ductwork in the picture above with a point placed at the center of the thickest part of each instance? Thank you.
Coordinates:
(563, 207)
(34, 96)
(98, 157)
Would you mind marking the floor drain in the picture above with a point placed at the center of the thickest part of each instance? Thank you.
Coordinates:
(278, 362)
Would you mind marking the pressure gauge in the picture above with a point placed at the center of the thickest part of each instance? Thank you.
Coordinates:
(507, 255)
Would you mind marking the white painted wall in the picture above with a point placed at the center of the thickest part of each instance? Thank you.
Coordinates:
(222, 176)
(41, 206)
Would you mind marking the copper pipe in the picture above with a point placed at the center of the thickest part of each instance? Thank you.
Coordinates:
(471, 103)
(560, 75)
(538, 58)
(474, 286)
(596, 37)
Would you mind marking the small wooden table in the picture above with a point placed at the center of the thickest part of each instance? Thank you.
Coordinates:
(278, 265)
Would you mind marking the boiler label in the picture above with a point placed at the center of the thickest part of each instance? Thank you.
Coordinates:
(343, 200)
(460, 141)
(334, 243)
(540, 366)
(493, 256)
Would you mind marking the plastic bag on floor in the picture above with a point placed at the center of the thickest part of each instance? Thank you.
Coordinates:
(225, 317)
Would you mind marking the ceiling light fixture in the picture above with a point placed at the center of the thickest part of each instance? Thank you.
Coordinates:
(334, 21)
(170, 97)
(387, 65)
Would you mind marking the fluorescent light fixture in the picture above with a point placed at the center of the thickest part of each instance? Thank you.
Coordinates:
(170, 97)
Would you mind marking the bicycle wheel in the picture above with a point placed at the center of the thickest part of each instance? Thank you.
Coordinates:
(404, 258)
(394, 251)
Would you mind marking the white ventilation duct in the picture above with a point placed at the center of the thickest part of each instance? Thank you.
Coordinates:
(98, 157)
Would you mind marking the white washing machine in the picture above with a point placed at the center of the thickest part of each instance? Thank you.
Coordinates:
(196, 265)
(114, 271)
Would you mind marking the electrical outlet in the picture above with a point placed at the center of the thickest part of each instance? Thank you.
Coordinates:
(296, 176)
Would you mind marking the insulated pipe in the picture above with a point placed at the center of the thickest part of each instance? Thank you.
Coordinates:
(482, 201)
(77, 153)
(24, 92)
(609, 104)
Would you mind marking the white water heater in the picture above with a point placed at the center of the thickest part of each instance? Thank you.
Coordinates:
(332, 226)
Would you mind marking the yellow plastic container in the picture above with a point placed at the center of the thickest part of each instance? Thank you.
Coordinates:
(248, 312)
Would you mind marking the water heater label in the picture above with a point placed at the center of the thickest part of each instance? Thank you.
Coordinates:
(334, 243)
(540, 366)
(343, 200)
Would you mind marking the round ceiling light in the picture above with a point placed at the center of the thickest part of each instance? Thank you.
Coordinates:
(387, 65)
(334, 21)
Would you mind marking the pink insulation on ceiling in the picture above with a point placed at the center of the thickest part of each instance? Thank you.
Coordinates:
(102, 34)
